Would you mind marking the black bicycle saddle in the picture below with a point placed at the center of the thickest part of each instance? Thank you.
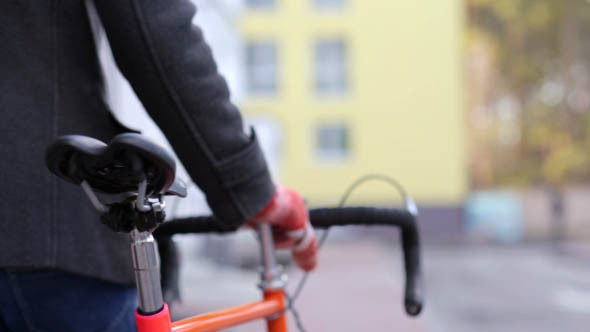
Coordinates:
(117, 167)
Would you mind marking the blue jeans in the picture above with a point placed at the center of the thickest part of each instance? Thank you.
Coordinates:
(55, 301)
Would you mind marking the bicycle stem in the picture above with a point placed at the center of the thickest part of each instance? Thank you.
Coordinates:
(272, 276)
(273, 280)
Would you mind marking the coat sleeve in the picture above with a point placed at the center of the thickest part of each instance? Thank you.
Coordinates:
(172, 71)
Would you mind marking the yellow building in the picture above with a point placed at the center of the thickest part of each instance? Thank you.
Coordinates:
(360, 87)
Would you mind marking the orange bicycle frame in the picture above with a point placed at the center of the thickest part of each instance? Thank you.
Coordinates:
(274, 304)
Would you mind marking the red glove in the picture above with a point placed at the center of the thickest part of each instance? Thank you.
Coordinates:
(288, 216)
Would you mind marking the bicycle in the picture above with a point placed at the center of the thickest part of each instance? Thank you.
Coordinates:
(127, 180)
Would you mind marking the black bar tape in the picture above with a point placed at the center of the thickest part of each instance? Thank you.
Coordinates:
(414, 289)
(328, 217)
(193, 225)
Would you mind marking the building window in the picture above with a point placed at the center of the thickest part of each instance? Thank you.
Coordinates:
(332, 142)
(261, 68)
(331, 74)
(260, 4)
(329, 3)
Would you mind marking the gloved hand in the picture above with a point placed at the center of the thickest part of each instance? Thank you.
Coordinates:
(288, 216)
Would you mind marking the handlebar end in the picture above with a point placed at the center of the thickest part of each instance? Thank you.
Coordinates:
(414, 295)
(413, 307)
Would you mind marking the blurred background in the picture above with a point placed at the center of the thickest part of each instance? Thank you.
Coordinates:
(480, 108)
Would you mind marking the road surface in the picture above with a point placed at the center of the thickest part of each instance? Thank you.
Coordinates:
(358, 287)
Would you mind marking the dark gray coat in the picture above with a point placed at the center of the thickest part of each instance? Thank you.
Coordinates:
(50, 85)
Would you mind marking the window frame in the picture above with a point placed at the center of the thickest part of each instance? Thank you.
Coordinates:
(260, 4)
(256, 87)
(338, 152)
(329, 4)
(331, 75)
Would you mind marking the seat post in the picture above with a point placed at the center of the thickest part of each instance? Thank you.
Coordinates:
(146, 263)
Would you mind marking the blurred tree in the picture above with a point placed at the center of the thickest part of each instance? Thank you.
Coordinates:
(529, 75)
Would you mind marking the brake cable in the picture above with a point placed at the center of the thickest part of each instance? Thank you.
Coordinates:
(299, 288)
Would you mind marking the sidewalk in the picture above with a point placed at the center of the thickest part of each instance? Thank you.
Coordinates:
(469, 287)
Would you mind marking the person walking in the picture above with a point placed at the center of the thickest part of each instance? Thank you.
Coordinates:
(60, 269)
